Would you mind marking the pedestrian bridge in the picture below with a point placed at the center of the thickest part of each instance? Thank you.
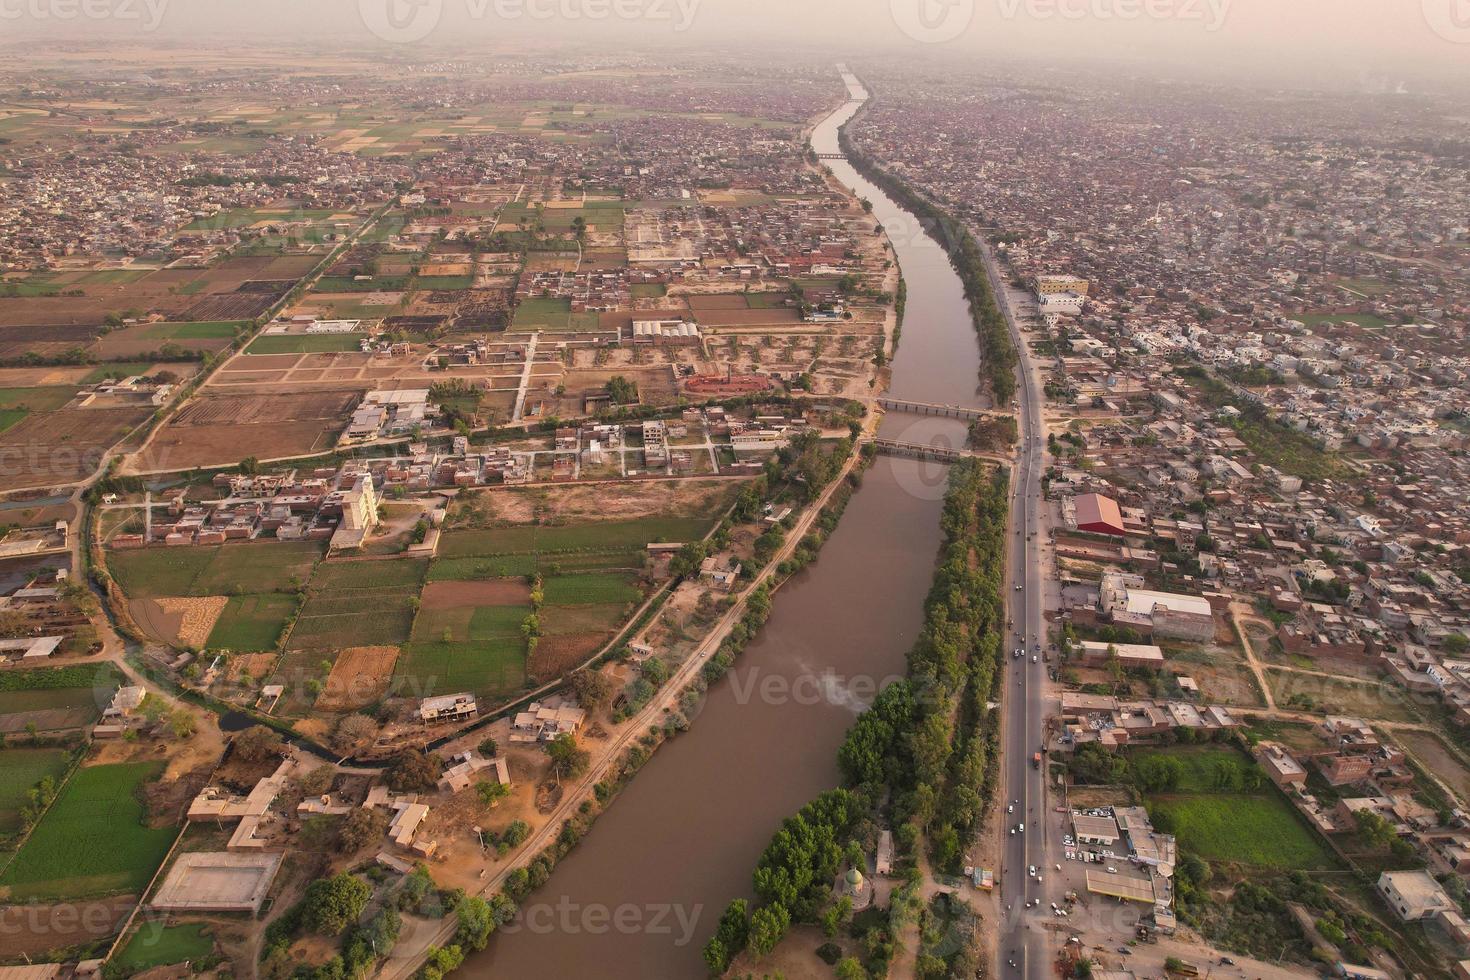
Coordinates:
(930, 408)
(830, 156)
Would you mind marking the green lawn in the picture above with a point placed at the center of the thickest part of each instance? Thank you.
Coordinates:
(10, 416)
(252, 622)
(155, 944)
(204, 330)
(20, 770)
(303, 343)
(93, 840)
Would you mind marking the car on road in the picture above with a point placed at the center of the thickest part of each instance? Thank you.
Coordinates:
(1019, 587)
(1226, 961)
(1010, 808)
(1031, 870)
(1020, 828)
(1125, 950)
(1033, 658)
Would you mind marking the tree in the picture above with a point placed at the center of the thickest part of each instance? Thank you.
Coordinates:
(850, 968)
(182, 723)
(257, 743)
(414, 771)
(488, 747)
(491, 793)
(767, 926)
(567, 760)
(361, 827)
(688, 559)
(442, 960)
(355, 733)
(591, 688)
(621, 390)
(476, 923)
(332, 904)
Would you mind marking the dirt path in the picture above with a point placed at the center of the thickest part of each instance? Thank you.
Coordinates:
(1250, 657)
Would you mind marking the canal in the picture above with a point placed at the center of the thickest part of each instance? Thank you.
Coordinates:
(642, 893)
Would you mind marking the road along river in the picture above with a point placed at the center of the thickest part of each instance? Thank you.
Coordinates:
(641, 894)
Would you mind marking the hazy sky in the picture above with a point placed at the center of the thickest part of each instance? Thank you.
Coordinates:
(1327, 38)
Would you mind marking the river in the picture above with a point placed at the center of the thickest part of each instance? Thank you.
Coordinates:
(639, 897)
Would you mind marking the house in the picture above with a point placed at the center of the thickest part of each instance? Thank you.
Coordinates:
(722, 573)
(544, 722)
(449, 707)
(461, 774)
(1413, 895)
(1098, 514)
(1279, 765)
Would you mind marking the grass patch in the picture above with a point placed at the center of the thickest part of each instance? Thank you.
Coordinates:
(93, 840)
(543, 314)
(117, 371)
(1259, 830)
(602, 536)
(44, 399)
(155, 944)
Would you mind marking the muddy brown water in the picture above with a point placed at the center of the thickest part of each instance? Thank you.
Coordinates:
(640, 896)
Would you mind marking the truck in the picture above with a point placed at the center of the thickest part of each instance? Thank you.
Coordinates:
(1180, 967)
(1036, 761)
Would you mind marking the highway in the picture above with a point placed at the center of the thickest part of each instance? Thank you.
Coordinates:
(1022, 946)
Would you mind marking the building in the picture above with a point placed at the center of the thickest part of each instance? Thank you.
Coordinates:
(1051, 285)
(449, 707)
(1413, 895)
(1279, 765)
(1095, 653)
(1099, 514)
(359, 514)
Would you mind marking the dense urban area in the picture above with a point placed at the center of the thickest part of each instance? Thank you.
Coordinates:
(393, 459)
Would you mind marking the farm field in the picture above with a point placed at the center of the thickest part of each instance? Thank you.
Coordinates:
(20, 770)
(92, 841)
(305, 343)
(252, 622)
(1218, 819)
(601, 536)
(55, 698)
(249, 567)
(358, 604)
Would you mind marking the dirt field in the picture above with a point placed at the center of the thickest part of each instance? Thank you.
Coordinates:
(61, 447)
(33, 930)
(214, 430)
(572, 503)
(555, 655)
(454, 595)
(359, 677)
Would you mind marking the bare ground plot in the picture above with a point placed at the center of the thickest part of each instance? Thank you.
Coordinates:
(1435, 757)
(178, 622)
(1380, 701)
(223, 429)
(459, 595)
(62, 447)
(34, 930)
(573, 504)
(359, 677)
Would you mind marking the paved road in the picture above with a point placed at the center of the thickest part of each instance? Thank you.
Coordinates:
(1022, 948)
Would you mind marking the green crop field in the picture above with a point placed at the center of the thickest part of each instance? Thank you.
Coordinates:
(444, 282)
(252, 622)
(347, 575)
(20, 771)
(10, 416)
(586, 618)
(252, 567)
(543, 314)
(348, 284)
(155, 944)
(1219, 821)
(208, 330)
(306, 343)
(359, 603)
(93, 840)
(487, 668)
(588, 590)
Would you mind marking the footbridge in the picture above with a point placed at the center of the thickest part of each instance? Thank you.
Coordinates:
(830, 156)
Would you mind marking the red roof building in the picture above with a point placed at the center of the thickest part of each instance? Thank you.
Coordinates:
(1099, 514)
